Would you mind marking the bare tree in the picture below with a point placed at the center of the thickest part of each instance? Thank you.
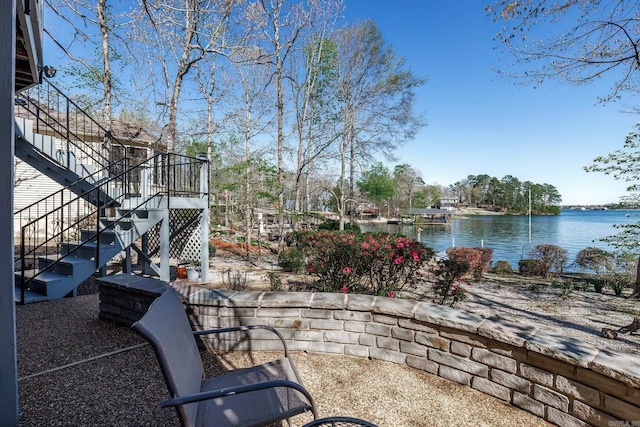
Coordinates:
(378, 98)
(80, 19)
(315, 110)
(407, 180)
(252, 117)
(179, 34)
(571, 40)
(279, 25)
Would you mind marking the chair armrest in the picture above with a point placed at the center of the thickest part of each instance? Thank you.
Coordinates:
(245, 328)
(213, 394)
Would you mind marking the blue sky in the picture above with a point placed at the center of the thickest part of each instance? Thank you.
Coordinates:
(481, 123)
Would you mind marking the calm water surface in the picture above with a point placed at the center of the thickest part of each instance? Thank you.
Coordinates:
(508, 236)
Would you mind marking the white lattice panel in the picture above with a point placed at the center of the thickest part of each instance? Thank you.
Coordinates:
(191, 251)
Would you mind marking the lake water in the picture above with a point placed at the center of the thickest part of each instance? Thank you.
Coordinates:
(508, 236)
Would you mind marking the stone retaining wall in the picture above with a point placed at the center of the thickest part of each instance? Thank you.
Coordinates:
(560, 379)
(125, 298)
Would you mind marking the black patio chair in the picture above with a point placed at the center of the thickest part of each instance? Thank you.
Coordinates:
(255, 396)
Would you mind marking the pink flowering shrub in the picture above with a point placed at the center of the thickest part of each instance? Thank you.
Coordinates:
(330, 256)
(376, 263)
(478, 259)
(449, 285)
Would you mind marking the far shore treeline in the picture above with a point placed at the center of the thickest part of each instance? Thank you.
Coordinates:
(404, 188)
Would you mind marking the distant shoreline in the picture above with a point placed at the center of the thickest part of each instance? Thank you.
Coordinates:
(474, 212)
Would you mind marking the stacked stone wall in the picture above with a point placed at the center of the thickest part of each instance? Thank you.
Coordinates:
(564, 381)
(557, 378)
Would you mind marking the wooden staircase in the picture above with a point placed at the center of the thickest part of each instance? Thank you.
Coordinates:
(63, 242)
(59, 275)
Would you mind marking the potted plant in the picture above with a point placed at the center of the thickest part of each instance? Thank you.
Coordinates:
(193, 271)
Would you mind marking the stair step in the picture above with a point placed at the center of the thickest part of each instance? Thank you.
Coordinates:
(123, 224)
(28, 274)
(107, 236)
(29, 296)
(86, 250)
(65, 266)
(136, 215)
(42, 282)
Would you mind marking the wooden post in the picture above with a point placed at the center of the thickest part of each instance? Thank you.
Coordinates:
(8, 352)
(204, 221)
(165, 272)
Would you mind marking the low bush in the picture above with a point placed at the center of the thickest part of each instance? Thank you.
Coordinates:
(291, 260)
(595, 259)
(478, 259)
(503, 268)
(619, 282)
(598, 284)
(275, 281)
(532, 268)
(377, 263)
(449, 284)
(554, 257)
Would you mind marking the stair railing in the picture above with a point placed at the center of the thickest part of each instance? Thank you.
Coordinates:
(65, 221)
(56, 114)
(50, 202)
(44, 235)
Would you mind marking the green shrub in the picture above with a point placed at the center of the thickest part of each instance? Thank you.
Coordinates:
(291, 260)
(566, 289)
(619, 282)
(503, 268)
(598, 284)
(532, 268)
(275, 281)
(582, 286)
(478, 259)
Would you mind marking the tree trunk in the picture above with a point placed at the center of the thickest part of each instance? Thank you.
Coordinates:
(106, 64)
(636, 285)
(343, 165)
(352, 181)
(106, 82)
(183, 68)
(248, 205)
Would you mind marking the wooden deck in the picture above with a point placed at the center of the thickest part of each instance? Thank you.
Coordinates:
(428, 216)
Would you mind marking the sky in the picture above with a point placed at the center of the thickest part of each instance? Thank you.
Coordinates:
(481, 123)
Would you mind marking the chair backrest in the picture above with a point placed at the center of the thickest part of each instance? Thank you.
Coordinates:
(167, 328)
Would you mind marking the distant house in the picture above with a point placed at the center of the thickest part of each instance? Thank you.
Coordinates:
(448, 203)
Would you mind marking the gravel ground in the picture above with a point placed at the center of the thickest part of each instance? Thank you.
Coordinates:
(124, 388)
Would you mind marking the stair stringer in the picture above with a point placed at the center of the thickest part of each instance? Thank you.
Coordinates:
(40, 152)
